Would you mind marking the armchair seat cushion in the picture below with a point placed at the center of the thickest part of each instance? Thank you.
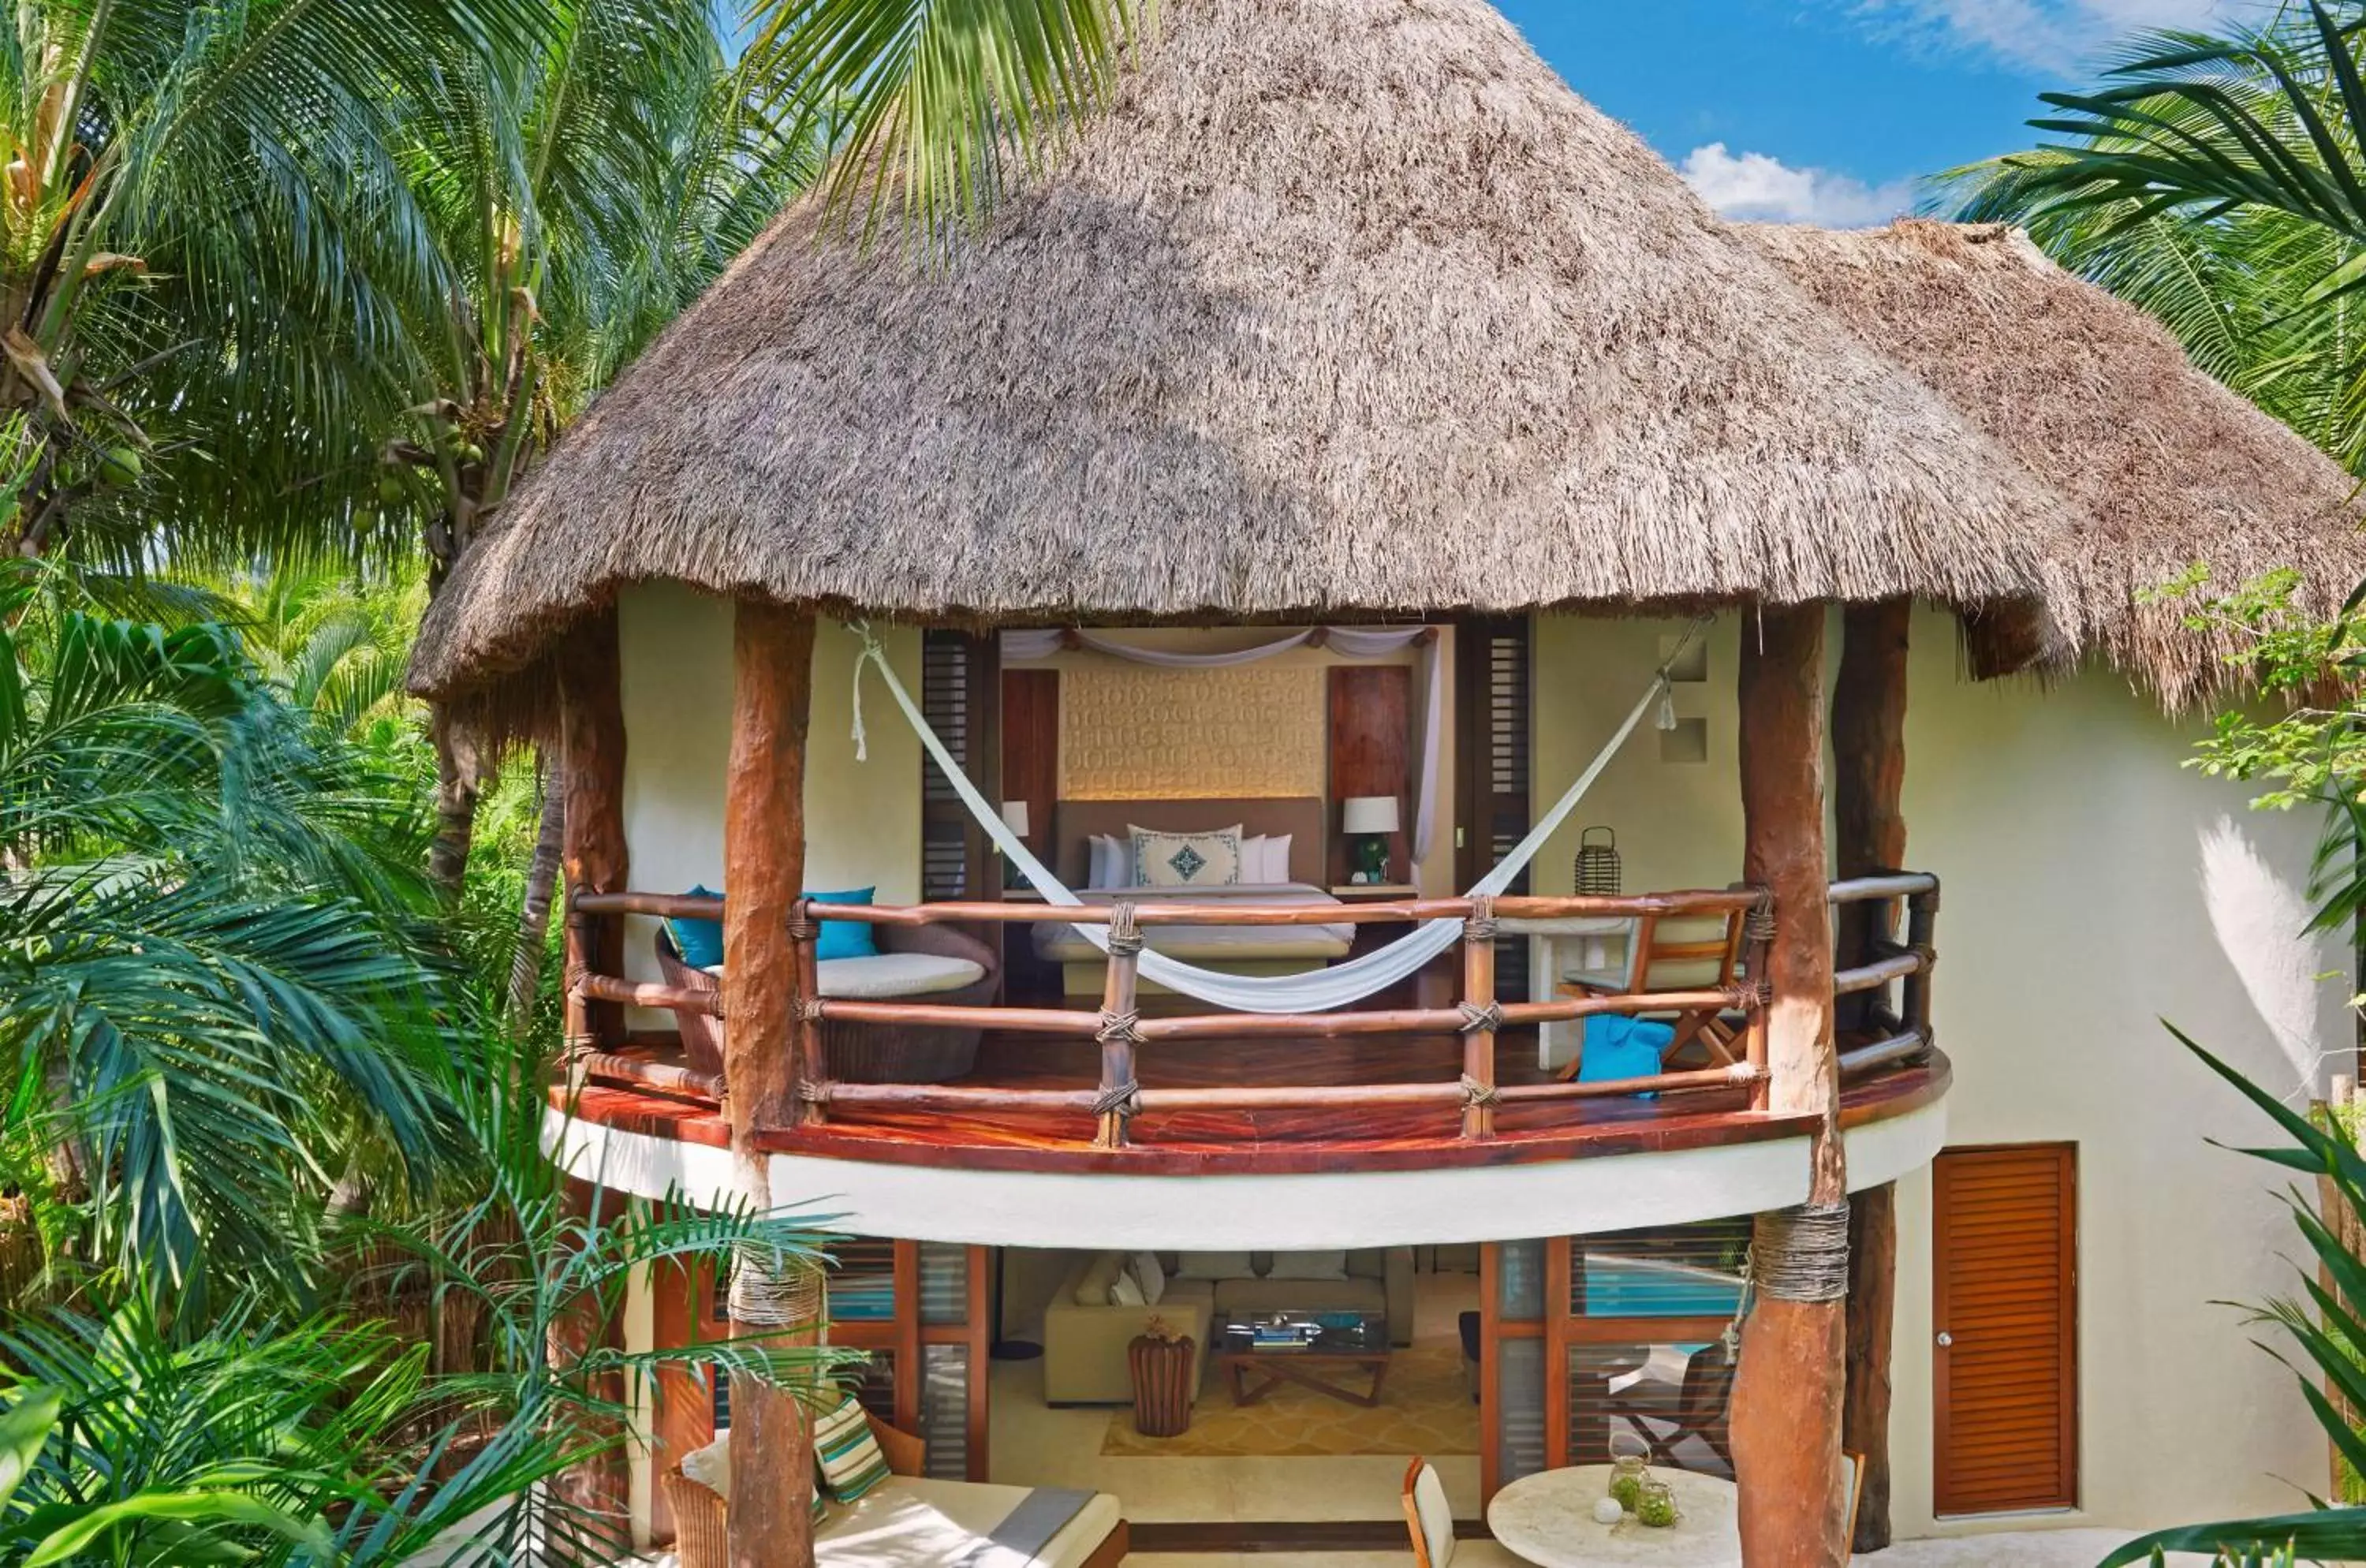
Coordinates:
(882, 977)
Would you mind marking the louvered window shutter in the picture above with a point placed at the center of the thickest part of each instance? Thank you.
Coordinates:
(2004, 1312)
(958, 681)
(1495, 675)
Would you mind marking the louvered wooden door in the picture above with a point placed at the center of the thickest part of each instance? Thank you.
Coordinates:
(1491, 707)
(2005, 1322)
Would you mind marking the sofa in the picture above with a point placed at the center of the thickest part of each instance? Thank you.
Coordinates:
(1084, 1336)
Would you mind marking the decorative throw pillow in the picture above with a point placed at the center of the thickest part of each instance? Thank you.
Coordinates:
(1185, 860)
(848, 1455)
(845, 939)
(700, 941)
(711, 1466)
(1125, 1291)
(1212, 1265)
(1308, 1266)
(1146, 1274)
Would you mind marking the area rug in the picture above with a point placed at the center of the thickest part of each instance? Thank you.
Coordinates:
(1424, 1408)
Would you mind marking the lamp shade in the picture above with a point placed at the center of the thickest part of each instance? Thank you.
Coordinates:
(1368, 813)
(1014, 816)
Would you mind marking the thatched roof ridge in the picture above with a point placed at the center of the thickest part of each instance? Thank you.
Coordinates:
(2097, 398)
(1345, 306)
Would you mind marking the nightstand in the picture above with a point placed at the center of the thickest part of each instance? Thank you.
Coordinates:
(1372, 892)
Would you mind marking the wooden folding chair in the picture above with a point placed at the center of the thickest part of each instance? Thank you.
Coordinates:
(1673, 952)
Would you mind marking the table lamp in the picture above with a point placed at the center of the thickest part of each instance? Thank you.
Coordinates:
(1370, 819)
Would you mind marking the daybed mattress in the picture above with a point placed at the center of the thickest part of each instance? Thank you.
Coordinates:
(1061, 942)
(914, 1523)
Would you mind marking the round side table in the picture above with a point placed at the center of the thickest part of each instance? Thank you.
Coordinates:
(1548, 1520)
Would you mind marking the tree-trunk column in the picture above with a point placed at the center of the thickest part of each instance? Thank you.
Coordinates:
(1869, 834)
(764, 855)
(591, 780)
(1786, 1402)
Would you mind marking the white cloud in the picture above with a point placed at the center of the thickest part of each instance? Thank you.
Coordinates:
(1753, 185)
(2063, 36)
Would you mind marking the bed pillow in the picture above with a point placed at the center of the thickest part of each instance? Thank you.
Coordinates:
(1185, 860)
(700, 941)
(1109, 862)
(848, 1456)
(845, 939)
(1253, 858)
(1276, 869)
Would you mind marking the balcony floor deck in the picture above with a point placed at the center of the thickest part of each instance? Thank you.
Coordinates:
(1295, 1139)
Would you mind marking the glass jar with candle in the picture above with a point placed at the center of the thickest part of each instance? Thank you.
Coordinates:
(1628, 1471)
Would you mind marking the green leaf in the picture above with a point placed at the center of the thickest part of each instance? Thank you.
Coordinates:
(25, 1429)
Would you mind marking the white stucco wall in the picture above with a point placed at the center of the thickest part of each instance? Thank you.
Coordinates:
(2091, 886)
(862, 820)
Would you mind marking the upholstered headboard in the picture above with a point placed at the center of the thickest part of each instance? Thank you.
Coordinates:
(1306, 819)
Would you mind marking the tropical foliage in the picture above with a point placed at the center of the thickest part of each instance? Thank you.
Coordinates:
(2219, 182)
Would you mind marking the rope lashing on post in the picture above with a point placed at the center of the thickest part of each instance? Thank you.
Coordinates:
(1750, 993)
(764, 1297)
(812, 1092)
(803, 931)
(1476, 1018)
(1121, 1099)
(1124, 931)
(1758, 928)
(1801, 1254)
(1479, 1094)
(1480, 926)
(1120, 1029)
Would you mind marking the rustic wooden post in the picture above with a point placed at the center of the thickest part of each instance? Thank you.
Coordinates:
(764, 855)
(1786, 1402)
(593, 853)
(599, 1488)
(1869, 834)
(1120, 1031)
(1481, 1017)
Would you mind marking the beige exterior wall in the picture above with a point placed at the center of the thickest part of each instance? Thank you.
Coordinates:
(862, 820)
(2092, 885)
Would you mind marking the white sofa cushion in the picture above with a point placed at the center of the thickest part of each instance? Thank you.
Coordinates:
(882, 976)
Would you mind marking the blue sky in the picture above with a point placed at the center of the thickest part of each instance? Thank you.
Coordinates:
(1827, 110)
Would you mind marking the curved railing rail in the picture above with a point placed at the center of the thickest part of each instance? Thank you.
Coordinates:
(1119, 1098)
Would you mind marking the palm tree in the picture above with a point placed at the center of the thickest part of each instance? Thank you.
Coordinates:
(213, 972)
(2219, 182)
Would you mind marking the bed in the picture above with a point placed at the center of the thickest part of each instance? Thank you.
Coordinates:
(1234, 949)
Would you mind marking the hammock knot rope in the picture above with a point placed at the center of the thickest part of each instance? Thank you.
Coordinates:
(1320, 990)
(1476, 1019)
(1475, 1093)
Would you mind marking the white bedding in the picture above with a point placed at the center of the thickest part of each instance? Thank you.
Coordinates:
(1061, 942)
(912, 1523)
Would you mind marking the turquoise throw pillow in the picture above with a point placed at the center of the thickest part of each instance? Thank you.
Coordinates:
(845, 939)
(700, 943)
(1617, 1047)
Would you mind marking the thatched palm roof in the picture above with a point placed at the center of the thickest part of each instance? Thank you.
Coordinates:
(1345, 306)
(2096, 397)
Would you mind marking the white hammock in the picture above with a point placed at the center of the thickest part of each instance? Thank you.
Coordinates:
(1320, 990)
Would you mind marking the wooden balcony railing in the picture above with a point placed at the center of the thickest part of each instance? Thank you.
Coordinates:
(1112, 1105)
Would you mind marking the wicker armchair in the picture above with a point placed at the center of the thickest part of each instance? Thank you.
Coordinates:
(861, 1052)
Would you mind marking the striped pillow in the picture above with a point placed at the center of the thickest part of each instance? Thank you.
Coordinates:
(850, 1462)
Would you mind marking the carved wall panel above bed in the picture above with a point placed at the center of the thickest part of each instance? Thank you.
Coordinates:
(1128, 733)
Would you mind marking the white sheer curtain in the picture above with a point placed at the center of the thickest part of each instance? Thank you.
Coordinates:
(1322, 990)
(1351, 642)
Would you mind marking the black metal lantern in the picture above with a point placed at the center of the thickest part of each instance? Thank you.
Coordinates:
(1598, 863)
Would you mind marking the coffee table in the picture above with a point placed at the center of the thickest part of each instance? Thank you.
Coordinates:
(1313, 1350)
